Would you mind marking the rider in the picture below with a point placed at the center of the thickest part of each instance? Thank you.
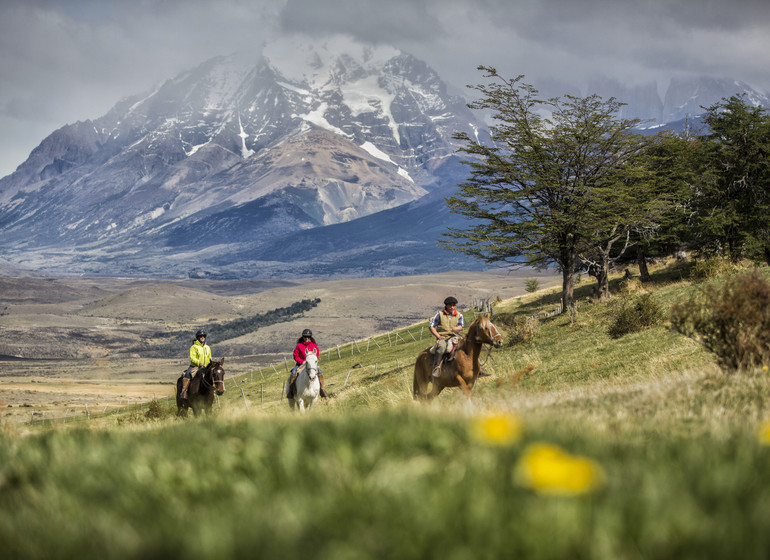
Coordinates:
(305, 343)
(200, 357)
(445, 326)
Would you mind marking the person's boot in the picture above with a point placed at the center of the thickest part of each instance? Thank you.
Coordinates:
(185, 385)
(322, 391)
(437, 361)
(290, 390)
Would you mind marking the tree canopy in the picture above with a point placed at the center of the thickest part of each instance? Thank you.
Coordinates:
(564, 181)
(558, 179)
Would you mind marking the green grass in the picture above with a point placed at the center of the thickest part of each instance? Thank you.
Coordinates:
(371, 474)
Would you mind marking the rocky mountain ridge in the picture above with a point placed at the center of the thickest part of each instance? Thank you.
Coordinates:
(327, 159)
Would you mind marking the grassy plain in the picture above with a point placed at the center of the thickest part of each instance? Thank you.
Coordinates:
(657, 456)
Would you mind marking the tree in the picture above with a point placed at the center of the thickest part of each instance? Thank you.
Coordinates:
(670, 175)
(733, 197)
(547, 187)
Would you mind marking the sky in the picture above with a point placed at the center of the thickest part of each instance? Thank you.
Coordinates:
(64, 61)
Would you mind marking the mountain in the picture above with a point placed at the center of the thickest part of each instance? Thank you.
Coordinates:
(323, 159)
(684, 98)
(232, 155)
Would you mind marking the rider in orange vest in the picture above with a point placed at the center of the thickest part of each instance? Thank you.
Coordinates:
(446, 326)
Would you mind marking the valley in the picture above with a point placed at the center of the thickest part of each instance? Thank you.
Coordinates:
(68, 343)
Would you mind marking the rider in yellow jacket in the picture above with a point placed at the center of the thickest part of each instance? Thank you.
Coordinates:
(200, 357)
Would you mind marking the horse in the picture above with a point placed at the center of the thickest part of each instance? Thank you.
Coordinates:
(307, 386)
(200, 393)
(463, 370)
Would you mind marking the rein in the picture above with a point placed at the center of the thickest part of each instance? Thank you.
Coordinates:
(210, 384)
(491, 347)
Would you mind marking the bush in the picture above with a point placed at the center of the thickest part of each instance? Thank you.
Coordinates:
(634, 314)
(709, 268)
(156, 411)
(732, 321)
(522, 330)
(630, 286)
(531, 285)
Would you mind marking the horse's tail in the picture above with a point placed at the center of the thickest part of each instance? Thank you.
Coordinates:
(420, 381)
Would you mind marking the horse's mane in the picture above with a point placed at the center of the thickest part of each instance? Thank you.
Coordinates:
(472, 327)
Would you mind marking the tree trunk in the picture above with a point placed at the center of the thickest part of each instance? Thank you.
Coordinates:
(603, 280)
(568, 281)
(641, 259)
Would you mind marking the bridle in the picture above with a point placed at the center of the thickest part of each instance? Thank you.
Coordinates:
(308, 369)
(493, 333)
(213, 383)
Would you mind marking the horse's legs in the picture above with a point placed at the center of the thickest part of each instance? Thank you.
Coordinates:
(301, 404)
(463, 385)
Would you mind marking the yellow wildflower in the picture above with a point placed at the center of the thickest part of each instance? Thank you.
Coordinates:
(764, 433)
(497, 429)
(764, 368)
(548, 469)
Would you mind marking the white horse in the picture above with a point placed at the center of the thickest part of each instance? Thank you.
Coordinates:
(307, 386)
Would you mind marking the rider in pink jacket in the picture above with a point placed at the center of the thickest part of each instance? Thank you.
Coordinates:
(305, 343)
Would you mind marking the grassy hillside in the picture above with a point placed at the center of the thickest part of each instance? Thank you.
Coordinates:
(578, 445)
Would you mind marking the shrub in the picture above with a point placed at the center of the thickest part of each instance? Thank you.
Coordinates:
(531, 285)
(732, 321)
(634, 314)
(630, 285)
(155, 411)
(709, 268)
(522, 330)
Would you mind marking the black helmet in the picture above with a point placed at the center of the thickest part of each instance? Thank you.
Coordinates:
(450, 301)
(307, 332)
(200, 333)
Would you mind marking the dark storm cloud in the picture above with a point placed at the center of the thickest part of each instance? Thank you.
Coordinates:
(68, 60)
(374, 21)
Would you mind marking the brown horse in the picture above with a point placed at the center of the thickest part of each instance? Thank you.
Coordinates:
(463, 370)
(200, 393)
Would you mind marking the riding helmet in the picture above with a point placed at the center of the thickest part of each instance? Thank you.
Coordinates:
(200, 333)
(450, 301)
(307, 332)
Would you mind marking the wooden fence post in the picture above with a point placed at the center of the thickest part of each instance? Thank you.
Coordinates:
(346, 378)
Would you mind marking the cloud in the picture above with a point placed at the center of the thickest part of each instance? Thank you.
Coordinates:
(64, 61)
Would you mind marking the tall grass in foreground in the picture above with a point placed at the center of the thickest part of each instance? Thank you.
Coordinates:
(397, 484)
(633, 447)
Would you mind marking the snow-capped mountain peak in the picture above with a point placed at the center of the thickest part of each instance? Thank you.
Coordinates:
(241, 149)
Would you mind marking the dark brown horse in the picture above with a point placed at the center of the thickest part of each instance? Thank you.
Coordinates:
(200, 393)
(463, 370)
